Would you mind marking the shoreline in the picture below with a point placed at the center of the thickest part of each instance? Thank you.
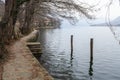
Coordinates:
(22, 64)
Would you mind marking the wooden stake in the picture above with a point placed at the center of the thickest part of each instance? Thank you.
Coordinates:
(91, 57)
(71, 46)
(91, 50)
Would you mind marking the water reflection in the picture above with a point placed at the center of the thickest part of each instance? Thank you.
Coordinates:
(71, 61)
(91, 68)
(57, 58)
(71, 55)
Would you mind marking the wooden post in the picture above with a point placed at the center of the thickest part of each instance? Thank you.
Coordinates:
(71, 46)
(91, 49)
(91, 57)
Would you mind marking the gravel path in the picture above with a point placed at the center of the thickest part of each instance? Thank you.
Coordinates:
(22, 65)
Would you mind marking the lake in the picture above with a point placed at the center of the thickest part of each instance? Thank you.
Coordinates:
(56, 57)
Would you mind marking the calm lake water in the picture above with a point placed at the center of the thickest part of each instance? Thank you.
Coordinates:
(57, 60)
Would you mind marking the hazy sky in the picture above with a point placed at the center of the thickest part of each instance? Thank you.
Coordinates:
(102, 4)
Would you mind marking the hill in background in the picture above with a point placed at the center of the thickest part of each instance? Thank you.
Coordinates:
(115, 22)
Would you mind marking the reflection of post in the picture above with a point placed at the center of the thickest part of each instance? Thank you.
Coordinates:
(71, 46)
(91, 57)
(90, 68)
(71, 62)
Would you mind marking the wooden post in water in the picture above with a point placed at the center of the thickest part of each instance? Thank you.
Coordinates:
(91, 57)
(91, 50)
(91, 64)
(71, 46)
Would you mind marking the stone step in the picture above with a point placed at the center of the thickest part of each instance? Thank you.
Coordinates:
(33, 43)
(35, 51)
(35, 48)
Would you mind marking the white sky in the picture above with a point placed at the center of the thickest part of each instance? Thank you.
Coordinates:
(102, 4)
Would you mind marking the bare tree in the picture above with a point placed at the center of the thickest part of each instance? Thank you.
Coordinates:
(52, 8)
(29, 13)
(8, 21)
(63, 8)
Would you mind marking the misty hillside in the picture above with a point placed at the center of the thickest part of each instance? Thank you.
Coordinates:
(115, 22)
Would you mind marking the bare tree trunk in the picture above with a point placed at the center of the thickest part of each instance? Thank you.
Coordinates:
(8, 22)
(29, 13)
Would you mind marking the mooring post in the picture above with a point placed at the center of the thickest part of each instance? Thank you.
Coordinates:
(91, 50)
(91, 57)
(71, 46)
